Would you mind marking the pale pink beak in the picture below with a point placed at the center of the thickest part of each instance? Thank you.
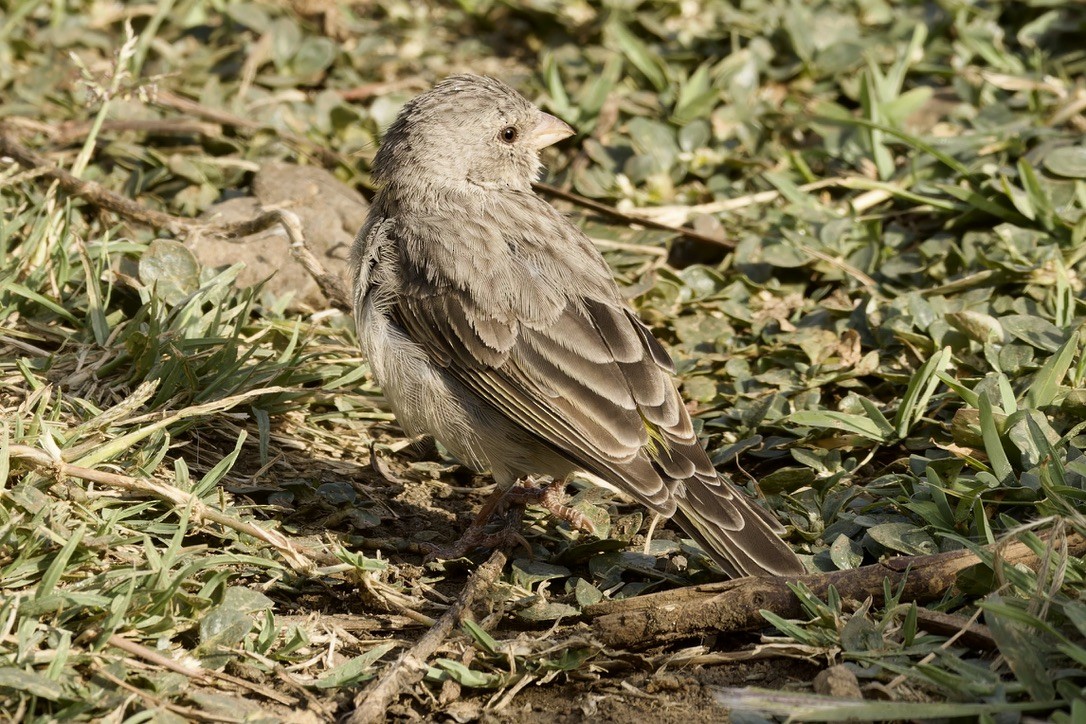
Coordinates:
(549, 130)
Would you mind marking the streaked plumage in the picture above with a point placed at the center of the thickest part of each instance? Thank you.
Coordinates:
(494, 325)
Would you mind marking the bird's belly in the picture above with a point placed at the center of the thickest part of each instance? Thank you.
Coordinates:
(428, 401)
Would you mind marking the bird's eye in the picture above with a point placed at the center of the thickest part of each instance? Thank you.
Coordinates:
(509, 134)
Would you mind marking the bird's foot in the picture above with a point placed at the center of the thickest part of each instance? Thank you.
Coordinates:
(526, 492)
(549, 498)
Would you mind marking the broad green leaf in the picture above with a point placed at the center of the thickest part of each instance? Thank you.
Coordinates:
(832, 420)
(354, 671)
(171, 268)
(527, 573)
(904, 538)
(1068, 161)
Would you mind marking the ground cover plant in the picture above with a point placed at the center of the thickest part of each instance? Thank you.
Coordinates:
(858, 226)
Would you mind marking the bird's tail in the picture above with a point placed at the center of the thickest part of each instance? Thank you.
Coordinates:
(743, 539)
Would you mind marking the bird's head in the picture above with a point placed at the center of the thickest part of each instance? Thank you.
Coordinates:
(467, 128)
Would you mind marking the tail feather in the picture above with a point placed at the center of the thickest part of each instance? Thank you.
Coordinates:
(707, 513)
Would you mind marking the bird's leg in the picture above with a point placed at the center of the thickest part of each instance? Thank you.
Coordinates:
(549, 498)
(476, 537)
(524, 492)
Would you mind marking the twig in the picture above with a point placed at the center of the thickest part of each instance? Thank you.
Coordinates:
(93, 192)
(657, 618)
(217, 115)
(330, 285)
(196, 673)
(370, 90)
(178, 498)
(960, 633)
(155, 702)
(976, 636)
(100, 196)
(75, 130)
(629, 218)
(410, 667)
(867, 282)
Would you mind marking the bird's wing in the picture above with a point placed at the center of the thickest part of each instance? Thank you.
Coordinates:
(592, 383)
(577, 369)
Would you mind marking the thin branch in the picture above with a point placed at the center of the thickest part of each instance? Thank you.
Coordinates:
(178, 498)
(330, 285)
(188, 106)
(614, 213)
(92, 192)
(154, 702)
(196, 673)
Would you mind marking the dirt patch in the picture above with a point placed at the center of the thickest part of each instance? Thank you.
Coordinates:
(667, 697)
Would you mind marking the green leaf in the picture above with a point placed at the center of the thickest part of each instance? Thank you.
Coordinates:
(482, 639)
(981, 203)
(1018, 644)
(353, 671)
(904, 538)
(1001, 466)
(1038, 196)
(58, 565)
(593, 94)
(870, 104)
(968, 396)
(221, 468)
(877, 417)
(314, 56)
(1046, 384)
(461, 674)
(921, 387)
(833, 420)
(1067, 161)
(908, 138)
(171, 268)
(697, 97)
(223, 626)
(845, 553)
(980, 327)
(30, 682)
(1035, 331)
(637, 53)
(526, 573)
(1025, 430)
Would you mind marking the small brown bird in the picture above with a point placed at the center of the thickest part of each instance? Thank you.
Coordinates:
(494, 325)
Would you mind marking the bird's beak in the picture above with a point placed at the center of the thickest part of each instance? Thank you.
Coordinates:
(549, 130)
